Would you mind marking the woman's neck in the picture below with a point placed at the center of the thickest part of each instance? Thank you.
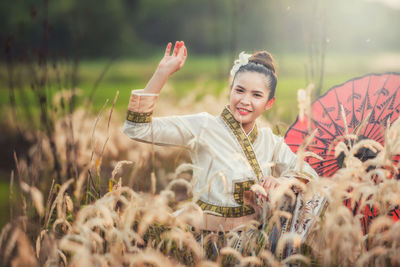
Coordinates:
(248, 127)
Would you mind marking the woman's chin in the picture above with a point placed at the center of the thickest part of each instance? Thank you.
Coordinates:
(246, 119)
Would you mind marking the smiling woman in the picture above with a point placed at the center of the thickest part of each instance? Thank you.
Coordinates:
(231, 154)
(248, 99)
(252, 89)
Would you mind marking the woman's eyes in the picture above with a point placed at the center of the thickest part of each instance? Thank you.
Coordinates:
(240, 90)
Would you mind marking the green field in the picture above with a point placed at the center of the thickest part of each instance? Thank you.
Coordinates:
(206, 75)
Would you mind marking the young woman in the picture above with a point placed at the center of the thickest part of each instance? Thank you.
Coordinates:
(231, 153)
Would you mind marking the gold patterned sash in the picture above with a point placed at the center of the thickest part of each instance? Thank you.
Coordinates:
(232, 212)
(245, 141)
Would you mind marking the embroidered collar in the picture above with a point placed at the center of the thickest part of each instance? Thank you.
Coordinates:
(227, 116)
(245, 141)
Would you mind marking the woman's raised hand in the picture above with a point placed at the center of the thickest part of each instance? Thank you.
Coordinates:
(171, 63)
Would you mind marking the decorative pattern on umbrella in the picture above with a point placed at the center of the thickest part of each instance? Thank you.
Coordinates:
(375, 97)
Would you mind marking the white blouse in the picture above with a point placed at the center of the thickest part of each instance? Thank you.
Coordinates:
(229, 161)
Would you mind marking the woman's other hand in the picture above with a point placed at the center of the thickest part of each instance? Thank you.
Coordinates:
(171, 63)
(269, 183)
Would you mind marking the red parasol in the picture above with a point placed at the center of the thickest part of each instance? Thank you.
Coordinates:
(373, 95)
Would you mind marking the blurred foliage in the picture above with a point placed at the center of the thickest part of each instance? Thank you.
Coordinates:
(4, 202)
(105, 28)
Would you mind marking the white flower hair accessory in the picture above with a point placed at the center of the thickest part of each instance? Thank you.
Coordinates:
(243, 60)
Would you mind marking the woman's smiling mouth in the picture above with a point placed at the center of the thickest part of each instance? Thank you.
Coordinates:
(243, 111)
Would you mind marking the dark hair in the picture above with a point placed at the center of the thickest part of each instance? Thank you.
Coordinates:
(262, 62)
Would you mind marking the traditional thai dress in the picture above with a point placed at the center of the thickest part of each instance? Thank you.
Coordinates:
(228, 160)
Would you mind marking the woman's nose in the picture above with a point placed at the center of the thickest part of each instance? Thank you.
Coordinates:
(245, 99)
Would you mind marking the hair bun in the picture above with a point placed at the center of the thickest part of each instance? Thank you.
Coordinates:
(264, 58)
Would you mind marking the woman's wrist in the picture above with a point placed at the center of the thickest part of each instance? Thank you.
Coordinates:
(162, 74)
(157, 81)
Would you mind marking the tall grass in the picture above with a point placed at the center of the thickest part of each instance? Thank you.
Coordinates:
(121, 212)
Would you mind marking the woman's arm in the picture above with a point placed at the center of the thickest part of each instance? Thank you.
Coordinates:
(173, 130)
(286, 162)
(168, 65)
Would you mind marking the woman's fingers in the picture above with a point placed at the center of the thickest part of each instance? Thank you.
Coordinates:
(270, 183)
(274, 183)
(178, 47)
(181, 50)
(172, 62)
(182, 54)
(168, 49)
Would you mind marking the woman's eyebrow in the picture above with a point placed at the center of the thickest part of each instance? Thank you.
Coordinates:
(258, 91)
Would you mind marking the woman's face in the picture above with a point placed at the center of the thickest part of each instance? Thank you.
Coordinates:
(249, 98)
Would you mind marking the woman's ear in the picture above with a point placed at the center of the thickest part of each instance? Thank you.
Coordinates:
(270, 103)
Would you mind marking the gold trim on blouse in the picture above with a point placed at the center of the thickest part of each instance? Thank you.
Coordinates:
(139, 117)
(245, 141)
(253, 134)
(141, 106)
(232, 212)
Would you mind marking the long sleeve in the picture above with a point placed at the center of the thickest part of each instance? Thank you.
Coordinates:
(172, 130)
(287, 161)
(305, 168)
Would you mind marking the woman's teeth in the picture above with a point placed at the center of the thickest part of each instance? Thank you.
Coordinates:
(243, 111)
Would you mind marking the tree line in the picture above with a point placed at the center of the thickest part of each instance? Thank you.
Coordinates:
(104, 28)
